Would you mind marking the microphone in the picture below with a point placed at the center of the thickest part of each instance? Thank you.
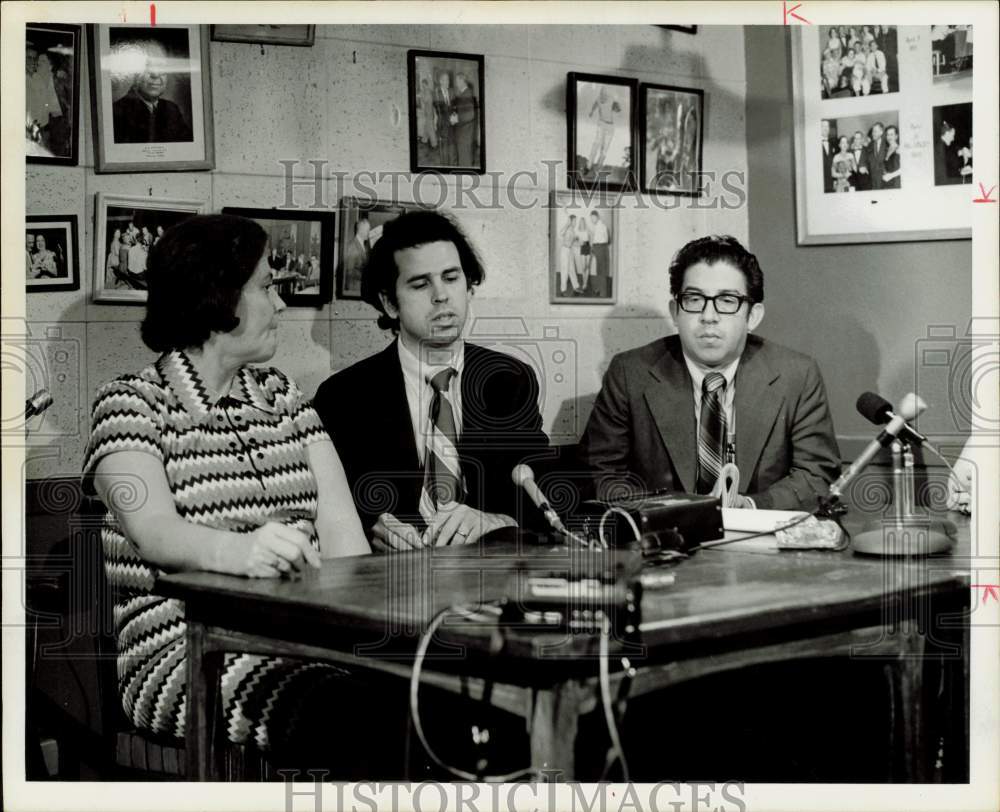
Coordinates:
(879, 411)
(37, 403)
(524, 477)
(884, 439)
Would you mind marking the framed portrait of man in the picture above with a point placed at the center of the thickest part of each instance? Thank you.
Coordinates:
(52, 253)
(601, 131)
(361, 224)
(152, 98)
(301, 247)
(52, 93)
(125, 230)
(447, 117)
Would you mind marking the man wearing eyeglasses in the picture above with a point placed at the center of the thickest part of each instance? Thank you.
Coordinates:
(670, 414)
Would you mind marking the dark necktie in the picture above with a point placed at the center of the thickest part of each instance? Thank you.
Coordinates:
(151, 132)
(442, 472)
(711, 431)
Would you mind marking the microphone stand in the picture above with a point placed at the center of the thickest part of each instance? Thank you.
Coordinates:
(908, 532)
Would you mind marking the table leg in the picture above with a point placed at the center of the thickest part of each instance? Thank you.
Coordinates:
(202, 682)
(554, 719)
(906, 684)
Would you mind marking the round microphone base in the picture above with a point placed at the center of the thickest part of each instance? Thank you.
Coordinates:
(913, 536)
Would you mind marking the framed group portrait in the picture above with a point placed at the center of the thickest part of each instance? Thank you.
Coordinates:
(446, 101)
(583, 249)
(125, 230)
(152, 98)
(601, 131)
(300, 35)
(52, 93)
(52, 253)
(301, 247)
(361, 224)
(671, 129)
(883, 133)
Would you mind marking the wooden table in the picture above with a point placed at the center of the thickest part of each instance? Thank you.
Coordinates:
(725, 610)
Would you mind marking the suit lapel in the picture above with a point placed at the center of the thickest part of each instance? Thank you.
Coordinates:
(671, 403)
(402, 447)
(758, 401)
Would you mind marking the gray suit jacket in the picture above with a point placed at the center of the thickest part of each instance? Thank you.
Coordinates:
(641, 433)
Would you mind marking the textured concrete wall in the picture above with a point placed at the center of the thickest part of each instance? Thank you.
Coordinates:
(344, 101)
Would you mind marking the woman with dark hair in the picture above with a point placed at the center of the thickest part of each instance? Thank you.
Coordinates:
(891, 170)
(208, 463)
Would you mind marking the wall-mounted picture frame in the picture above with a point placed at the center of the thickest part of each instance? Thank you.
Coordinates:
(361, 223)
(52, 253)
(601, 131)
(858, 60)
(447, 100)
(583, 249)
(301, 247)
(298, 35)
(151, 91)
(885, 147)
(52, 93)
(125, 229)
(671, 128)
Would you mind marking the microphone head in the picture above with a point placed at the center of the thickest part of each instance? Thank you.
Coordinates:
(521, 474)
(874, 408)
(911, 406)
(39, 402)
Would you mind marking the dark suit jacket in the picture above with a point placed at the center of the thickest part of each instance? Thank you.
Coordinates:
(828, 165)
(874, 159)
(130, 118)
(641, 433)
(365, 411)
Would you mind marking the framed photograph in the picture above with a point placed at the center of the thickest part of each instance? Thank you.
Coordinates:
(858, 60)
(583, 250)
(124, 231)
(951, 55)
(861, 152)
(52, 93)
(883, 147)
(361, 222)
(152, 98)
(601, 131)
(301, 249)
(953, 145)
(52, 252)
(302, 35)
(671, 130)
(447, 112)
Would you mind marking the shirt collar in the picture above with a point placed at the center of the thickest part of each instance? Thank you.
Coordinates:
(698, 372)
(415, 369)
(180, 375)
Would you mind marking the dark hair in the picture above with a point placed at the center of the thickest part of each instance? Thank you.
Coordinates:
(714, 249)
(413, 229)
(195, 274)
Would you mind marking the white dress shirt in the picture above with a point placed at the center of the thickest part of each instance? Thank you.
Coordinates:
(698, 374)
(417, 376)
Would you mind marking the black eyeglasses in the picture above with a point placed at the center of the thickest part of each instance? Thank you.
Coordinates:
(725, 304)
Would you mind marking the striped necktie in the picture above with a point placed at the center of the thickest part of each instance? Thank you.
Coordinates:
(711, 431)
(442, 472)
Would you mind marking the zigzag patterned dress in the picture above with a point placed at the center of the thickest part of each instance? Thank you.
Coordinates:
(231, 465)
